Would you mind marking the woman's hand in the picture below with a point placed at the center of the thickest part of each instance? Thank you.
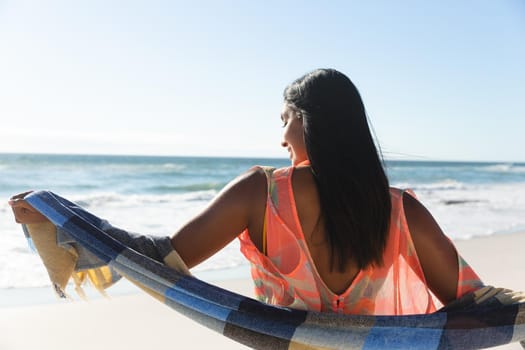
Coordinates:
(24, 213)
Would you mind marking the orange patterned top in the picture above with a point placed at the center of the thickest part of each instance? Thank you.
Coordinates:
(287, 275)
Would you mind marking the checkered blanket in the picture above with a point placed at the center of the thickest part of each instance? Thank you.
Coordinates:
(485, 318)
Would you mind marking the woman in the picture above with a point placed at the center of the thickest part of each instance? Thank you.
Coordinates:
(327, 233)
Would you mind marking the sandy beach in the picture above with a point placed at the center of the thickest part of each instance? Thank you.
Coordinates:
(140, 322)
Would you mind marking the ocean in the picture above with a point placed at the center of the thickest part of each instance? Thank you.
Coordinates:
(157, 195)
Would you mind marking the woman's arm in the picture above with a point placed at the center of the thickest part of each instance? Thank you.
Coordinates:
(436, 253)
(238, 206)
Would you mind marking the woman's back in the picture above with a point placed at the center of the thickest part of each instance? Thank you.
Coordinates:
(308, 208)
(295, 269)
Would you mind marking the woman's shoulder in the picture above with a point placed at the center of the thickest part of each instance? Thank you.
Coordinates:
(274, 172)
(259, 177)
(255, 176)
(402, 196)
(400, 191)
(408, 202)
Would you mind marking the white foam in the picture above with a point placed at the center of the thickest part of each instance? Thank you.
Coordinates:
(480, 209)
(446, 184)
(173, 166)
(504, 168)
(103, 199)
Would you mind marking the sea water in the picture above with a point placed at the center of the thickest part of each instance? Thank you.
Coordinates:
(157, 195)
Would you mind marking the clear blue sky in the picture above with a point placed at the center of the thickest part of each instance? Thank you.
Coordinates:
(441, 80)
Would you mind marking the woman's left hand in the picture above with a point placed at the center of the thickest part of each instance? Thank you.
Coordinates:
(24, 213)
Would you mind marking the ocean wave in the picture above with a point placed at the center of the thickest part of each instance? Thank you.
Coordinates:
(125, 200)
(504, 168)
(447, 184)
(187, 188)
(497, 167)
(462, 201)
(96, 199)
(174, 166)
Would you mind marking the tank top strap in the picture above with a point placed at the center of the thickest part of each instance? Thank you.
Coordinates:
(268, 171)
(404, 243)
(282, 197)
(405, 282)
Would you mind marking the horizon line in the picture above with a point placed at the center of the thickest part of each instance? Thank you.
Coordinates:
(414, 159)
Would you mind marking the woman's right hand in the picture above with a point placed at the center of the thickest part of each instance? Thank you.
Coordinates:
(24, 213)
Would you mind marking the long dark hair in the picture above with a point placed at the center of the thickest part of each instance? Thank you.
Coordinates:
(347, 167)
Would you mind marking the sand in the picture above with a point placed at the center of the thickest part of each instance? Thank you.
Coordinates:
(140, 322)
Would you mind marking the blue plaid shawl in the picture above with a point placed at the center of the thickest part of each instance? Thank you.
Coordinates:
(488, 317)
